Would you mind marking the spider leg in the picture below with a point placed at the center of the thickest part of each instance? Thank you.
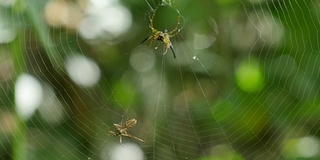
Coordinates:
(131, 136)
(151, 19)
(121, 141)
(165, 50)
(174, 54)
(138, 139)
(176, 30)
(151, 42)
(146, 39)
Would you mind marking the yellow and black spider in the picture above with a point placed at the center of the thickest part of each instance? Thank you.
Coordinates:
(163, 36)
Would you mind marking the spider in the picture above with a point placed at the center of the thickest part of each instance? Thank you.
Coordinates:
(121, 130)
(163, 36)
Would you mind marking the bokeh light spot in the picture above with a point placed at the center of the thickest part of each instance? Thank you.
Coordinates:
(142, 60)
(83, 71)
(7, 3)
(51, 110)
(249, 76)
(62, 13)
(308, 146)
(203, 41)
(130, 151)
(7, 34)
(109, 21)
(28, 95)
(305, 147)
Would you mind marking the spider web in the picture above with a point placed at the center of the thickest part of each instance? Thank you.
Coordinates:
(244, 84)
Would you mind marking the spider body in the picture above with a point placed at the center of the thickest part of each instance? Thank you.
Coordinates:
(163, 36)
(121, 130)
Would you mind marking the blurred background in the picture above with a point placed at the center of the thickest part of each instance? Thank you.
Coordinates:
(245, 83)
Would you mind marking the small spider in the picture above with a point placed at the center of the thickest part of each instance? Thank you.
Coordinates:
(163, 36)
(121, 130)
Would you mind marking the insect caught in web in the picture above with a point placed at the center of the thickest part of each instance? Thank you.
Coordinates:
(121, 130)
(163, 36)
